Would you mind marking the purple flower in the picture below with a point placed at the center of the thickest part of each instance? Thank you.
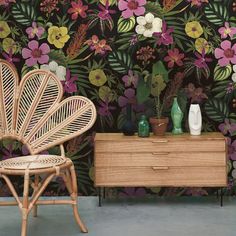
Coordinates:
(9, 57)
(130, 79)
(69, 84)
(231, 149)
(225, 31)
(104, 13)
(8, 153)
(165, 36)
(227, 127)
(34, 30)
(134, 39)
(230, 88)
(36, 53)
(201, 61)
(131, 7)
(130, 98)
(104, 108)
(131, 192)
(226, 53)
(196, 192)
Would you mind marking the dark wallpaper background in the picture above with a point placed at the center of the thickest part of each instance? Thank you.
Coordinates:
(108, 52)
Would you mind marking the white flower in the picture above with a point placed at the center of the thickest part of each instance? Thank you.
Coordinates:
(60, 71)
(234, 74)
(148, 24)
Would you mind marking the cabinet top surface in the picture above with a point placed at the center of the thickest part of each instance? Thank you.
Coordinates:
(168, 136)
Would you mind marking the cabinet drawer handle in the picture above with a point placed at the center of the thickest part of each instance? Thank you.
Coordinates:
(160, 141)
(160, 153)
(160, 167)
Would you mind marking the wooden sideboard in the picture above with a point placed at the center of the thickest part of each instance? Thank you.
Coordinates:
(171, 160)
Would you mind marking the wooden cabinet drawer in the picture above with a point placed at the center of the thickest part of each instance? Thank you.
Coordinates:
(161, 159)
(172, 176)
(164, 145)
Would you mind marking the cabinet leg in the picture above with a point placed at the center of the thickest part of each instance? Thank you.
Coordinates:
(104, 193)
(221, 197)
(100, 196)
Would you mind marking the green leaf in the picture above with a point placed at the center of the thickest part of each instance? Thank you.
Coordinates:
(222, 73)
(155, 8)
(125, 25)
(143, 90)
(216, 13)
(217, 109)
(24, 13)
(120, 61)
(58, 56)
(159, 69)
(25, 69)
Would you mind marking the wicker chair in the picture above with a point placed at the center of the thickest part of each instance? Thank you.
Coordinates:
(32, 113)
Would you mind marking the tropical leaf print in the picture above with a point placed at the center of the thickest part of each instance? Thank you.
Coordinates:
(120, 61)
(216, 13)
(24, 13)
(216, 109)
(222, 73)
(125, 25)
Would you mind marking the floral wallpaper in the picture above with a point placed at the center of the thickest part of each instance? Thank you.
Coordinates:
(124, 53)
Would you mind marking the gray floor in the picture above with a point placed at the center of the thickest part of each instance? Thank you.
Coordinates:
(147, 217)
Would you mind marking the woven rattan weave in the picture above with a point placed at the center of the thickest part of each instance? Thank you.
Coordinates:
(32, 112)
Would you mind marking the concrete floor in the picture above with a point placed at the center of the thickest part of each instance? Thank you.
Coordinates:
(183, 216)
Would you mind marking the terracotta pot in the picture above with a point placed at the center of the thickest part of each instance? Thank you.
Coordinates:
(159, 126)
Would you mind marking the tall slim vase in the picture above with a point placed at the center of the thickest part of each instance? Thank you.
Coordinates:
(128, 127)
(195, 119)
(177, 117)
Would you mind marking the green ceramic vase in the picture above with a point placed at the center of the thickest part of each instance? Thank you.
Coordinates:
(177, 117)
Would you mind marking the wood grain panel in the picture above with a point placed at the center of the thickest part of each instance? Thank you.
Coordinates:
(172, 176)
(160, 146)
(161, 159)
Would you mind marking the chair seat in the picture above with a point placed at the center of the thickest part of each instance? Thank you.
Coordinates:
(32, 162)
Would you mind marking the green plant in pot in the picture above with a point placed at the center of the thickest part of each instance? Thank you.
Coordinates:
(158, 122)
(153, 85)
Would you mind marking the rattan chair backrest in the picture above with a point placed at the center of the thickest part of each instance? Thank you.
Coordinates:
(32, 112)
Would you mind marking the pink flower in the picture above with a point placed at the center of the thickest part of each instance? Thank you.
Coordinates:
(174, 57)
(104, 12)
(197, 3)
(227, 54)
(201, 61)
(34, 30)
(231, 149)
(78, 9)
(227, 127)
(131, 78)
(36, 54)
(69, 84)
(225, 31)
(165, 36)
(105, 109)
(131, 7)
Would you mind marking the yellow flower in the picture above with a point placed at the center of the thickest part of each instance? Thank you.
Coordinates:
(158, 85)
(106, 94)
(58, 36)
(201, 44)
(8, 44)
(4, 29)
(97, 77)
(193, 29)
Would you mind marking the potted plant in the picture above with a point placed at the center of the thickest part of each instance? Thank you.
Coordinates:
(159, 122)
(151, 86)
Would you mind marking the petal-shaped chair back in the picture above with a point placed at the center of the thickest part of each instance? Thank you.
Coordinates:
(33, 113)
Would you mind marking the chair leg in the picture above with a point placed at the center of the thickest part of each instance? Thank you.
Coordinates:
(36, 184)
(24, 209)
(74, 196)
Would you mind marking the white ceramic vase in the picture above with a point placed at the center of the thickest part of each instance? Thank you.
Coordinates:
(195, 119)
